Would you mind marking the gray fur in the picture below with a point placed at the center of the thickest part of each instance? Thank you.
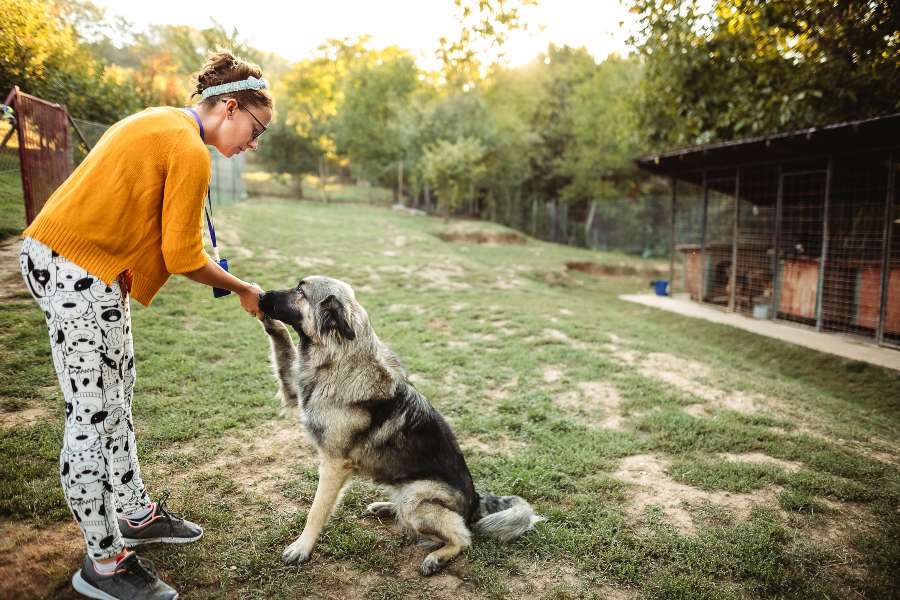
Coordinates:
(365, 418)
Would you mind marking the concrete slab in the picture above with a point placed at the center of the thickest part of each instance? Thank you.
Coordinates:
(847, 347)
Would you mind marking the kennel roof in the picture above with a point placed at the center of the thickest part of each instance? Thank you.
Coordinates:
(850, 138)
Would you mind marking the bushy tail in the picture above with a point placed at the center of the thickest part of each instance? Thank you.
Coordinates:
(503, 517)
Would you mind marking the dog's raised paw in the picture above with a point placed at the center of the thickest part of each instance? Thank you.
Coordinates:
(295, 554)
(432, 565)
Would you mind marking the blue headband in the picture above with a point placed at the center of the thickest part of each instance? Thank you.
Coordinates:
(251, 83)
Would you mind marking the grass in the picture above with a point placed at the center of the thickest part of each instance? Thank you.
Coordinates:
(12, 208)
(285, 185)
(478, 326)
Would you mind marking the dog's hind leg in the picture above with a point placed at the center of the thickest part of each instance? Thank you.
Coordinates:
(382, 510)
(434, 521)
(284, 360)
(333, 474)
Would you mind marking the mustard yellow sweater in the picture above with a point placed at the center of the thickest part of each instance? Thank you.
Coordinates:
(134, 204)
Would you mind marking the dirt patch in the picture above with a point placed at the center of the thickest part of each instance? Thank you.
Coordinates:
(552, 374)
(443, 277)
(34, 560)
(655, 488)
(12, 287)
(415, 309)
(490, 238)
(261, 460)
(758, 458)
(558, 336)
(502, 391)
(22, 418)
(605, 269)
(439, 324)
(597, 402)
(494, 446)
(542, 579)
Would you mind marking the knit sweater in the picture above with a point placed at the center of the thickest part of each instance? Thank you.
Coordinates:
(134, 205)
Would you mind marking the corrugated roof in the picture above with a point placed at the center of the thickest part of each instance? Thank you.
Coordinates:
(835, 139)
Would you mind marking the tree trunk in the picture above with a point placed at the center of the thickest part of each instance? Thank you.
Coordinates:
(323, 175)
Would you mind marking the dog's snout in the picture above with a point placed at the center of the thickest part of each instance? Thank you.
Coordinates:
(265, 302)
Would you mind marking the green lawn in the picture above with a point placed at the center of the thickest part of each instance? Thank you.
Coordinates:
(673, 458)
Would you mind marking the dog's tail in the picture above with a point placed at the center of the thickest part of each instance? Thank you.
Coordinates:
(503, 517)
(284, 360)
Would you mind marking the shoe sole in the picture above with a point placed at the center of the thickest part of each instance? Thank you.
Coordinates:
(85, 589)
(165, 540)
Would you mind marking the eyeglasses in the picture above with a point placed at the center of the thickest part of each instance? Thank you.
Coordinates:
(262, 129)
(256, 132)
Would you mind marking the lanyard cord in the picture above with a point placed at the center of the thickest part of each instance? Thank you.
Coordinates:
(207, 207)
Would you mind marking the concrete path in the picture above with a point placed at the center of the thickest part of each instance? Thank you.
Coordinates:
(845, 346)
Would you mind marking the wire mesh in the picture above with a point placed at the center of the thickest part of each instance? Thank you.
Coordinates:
(91, 131)
(688, 235)
(851, 290)
(800, 241)
(717, 247)
(756, 237)
(892, 304)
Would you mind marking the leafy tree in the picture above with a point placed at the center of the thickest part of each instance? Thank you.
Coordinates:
(735, 68)
(453, 169)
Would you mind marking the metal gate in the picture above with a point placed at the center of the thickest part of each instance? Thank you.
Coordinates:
(45, 151)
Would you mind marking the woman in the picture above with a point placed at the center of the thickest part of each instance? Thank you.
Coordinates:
(127, 218)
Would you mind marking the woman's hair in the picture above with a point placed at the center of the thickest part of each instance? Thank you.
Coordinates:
(224, 67)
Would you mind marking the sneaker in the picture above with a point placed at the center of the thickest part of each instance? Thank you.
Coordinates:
(135, 578)
(161, 526)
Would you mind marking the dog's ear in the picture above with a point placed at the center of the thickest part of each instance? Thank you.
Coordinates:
(332, 318)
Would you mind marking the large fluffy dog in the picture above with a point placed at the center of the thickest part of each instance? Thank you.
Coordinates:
(365, 418)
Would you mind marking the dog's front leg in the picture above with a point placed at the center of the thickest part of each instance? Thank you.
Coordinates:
(333, 474)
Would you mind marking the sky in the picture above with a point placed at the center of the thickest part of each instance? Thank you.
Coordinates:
(295, 29)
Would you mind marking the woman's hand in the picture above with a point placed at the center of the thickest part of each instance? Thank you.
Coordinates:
(250, 299)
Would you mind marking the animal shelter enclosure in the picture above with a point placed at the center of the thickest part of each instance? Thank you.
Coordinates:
(801, 227)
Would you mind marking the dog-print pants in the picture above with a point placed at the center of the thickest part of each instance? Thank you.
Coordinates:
(90, 339)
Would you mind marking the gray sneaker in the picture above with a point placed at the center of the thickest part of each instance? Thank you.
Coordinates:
(163, 526)
(134, 579)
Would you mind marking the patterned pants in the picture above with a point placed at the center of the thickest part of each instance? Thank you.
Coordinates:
(90, 340)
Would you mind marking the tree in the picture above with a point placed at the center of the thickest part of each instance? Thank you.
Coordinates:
(736, 68)
(368, 129)
(453, 169)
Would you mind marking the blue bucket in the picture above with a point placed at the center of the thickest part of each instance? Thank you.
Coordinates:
(660, 286)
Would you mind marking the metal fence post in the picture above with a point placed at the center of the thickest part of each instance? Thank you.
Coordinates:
(886, 250)
(776, 246)
(823, 263)
(672, 237)
(702, 293)
(734, 238)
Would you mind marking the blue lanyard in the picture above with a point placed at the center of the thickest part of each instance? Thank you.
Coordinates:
(208, 206)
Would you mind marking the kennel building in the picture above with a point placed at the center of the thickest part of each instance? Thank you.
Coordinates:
(802, 227)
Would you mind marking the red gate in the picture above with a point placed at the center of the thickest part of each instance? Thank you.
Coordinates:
(45, 151)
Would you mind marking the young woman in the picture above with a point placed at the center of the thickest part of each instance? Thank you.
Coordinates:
(127, 218)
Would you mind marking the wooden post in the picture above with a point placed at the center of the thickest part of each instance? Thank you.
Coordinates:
(672, 237)
(886, 251)
(734, 239)
(823, 263)
(703, 239)
(776, 246)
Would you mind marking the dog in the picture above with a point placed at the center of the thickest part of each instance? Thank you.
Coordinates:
(366, 419)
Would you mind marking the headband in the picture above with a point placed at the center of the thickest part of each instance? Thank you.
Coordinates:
(251, 83)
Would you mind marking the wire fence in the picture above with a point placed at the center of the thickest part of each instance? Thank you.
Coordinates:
(813, 242)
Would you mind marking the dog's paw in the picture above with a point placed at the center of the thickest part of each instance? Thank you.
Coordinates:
(381, 509)
(432, 565)
(295, 554)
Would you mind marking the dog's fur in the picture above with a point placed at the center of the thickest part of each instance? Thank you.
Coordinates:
(365, 418)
